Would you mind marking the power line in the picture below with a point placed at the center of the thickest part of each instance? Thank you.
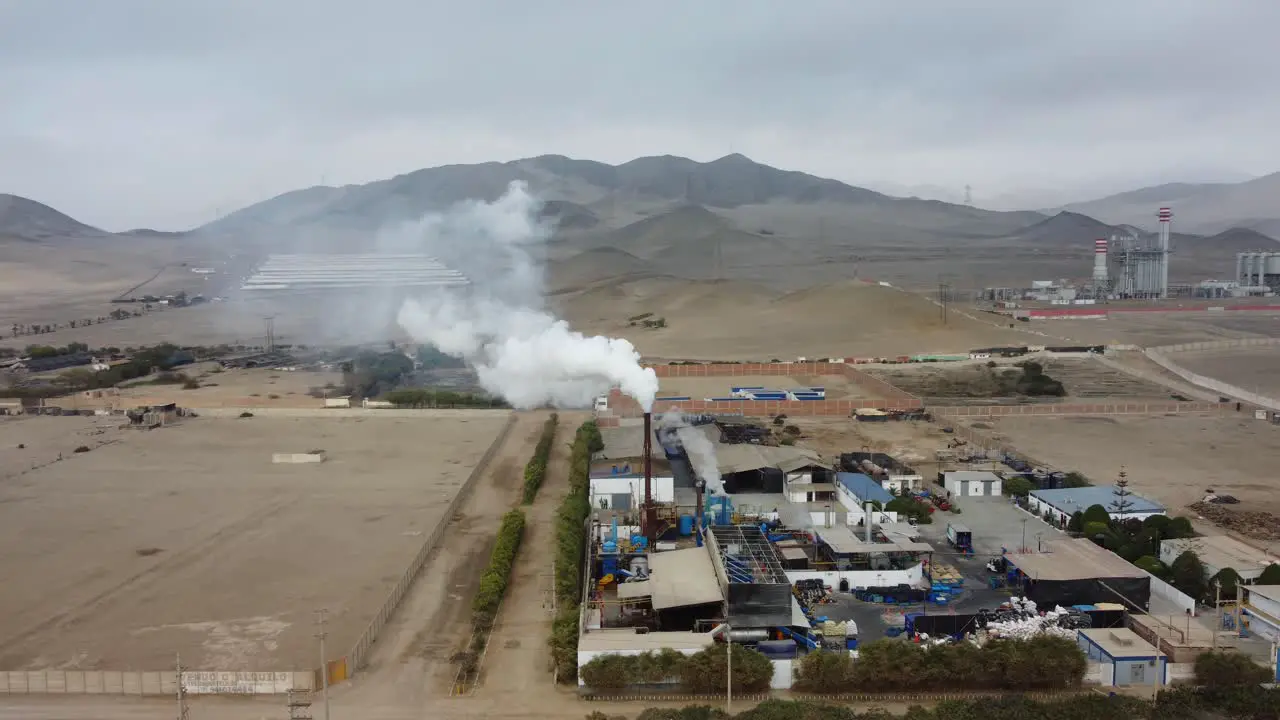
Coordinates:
(321, 635)
(182, 691)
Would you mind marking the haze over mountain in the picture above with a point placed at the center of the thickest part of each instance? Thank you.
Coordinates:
(668, 216)
(1202, 208)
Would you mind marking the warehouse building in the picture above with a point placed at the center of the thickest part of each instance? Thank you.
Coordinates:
(972, 483)
(1218, 552)
(1066, 502)
(1078, 572)
(1124, 657)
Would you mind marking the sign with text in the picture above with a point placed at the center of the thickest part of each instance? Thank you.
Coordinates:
(237, 683)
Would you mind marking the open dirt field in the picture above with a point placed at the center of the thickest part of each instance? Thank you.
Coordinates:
(189, 539)
(911, 442)
(973, 382)
(1256, 369)
(1150, 329)
(258, 387)
(837, 387)
(1170, 458)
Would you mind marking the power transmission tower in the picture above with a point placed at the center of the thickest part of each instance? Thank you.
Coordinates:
(968, 195)
(1122, 504)
(321, 635)
(182, 691)
(944, 298)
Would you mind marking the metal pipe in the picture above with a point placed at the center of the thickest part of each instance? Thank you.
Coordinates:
(868, 509)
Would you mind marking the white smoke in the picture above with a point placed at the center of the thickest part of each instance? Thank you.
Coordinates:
(519, 350)
(701, 451)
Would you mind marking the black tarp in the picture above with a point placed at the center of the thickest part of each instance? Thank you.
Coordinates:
(759, 605)
(1091, 591)
(964, 623)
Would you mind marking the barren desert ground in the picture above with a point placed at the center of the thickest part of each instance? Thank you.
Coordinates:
(971, 383)
(1169, 458)
(190, 539)
(1256, 369)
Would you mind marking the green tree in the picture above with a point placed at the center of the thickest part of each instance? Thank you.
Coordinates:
(1153, 566)
(1076, 523)
(1269, 576)
(1075, 480)
(1187, 574)
(1018, 486)
(1226, 579)
(1097, 514)
(1179, 527)
(1226, 669)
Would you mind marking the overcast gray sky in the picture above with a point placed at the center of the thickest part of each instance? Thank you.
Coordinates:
(161, 113)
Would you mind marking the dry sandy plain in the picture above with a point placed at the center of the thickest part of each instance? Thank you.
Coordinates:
(189, 539)
(1169, 458)
(1256, 369)
(1085, 379)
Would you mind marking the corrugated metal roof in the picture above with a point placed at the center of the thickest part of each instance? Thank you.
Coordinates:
(1076, 559)
(628, 639)
(864, 487)
(679, 578)
(1221, 551)
(623, 443)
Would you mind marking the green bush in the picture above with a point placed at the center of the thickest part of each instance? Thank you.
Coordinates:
(1226, 669)
(704, 672)
(614, 672)
(429, 398)
(493, 583)
(536, 470)
(571, 539)
(892, 666)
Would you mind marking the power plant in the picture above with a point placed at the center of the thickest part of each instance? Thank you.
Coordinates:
(1144, 267)
(1258, 271)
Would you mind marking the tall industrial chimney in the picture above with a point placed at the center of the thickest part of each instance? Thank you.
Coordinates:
(1100, 279)
(647, 524)
(1166, 222)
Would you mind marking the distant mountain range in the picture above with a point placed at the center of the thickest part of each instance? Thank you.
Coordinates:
(1204, 208)
(731, 218)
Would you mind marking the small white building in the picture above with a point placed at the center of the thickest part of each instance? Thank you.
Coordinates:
(1218, 552)
(1126, 658)
(972, 483)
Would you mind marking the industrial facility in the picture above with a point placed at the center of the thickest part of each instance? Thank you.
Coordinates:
(295, 273)
(1258, 272)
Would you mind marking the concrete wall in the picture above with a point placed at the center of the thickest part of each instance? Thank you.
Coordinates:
(663, 489)
(1161, 356)
(322, 412)
(164, 682)
(1134, 408)
(297, 458)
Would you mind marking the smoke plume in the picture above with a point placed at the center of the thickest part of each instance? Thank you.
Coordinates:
(499, 325)
(701, 451)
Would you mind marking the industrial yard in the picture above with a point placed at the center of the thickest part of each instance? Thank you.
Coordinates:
(192, 538)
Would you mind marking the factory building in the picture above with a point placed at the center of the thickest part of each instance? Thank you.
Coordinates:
(1078, 572)
(1217, 553)
(1065, 502)
(1261, 610)
(972, 483)
(1258, 270)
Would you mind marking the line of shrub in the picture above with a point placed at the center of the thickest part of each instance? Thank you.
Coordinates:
(1183, 703)
(536, 470)
(571, 539)
(1038, 663)
(493, 585)
(702, 672)
(418, 398)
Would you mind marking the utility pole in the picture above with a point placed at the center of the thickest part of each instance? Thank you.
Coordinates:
(182, 691)
(321, 617)
(944, 297)
(271, 332)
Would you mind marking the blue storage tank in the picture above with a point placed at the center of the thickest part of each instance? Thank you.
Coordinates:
(778, 649)
(686, 525)
(609, 566)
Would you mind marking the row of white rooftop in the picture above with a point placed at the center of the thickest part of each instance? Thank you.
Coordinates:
(337, 271)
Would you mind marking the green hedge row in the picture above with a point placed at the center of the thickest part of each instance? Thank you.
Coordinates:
(1038, 663)
(493, 583)
(536, 471)
(702, 672)
(571, 539)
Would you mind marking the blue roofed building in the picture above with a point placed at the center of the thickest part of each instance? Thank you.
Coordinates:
(854, 489)
(1066, 502)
